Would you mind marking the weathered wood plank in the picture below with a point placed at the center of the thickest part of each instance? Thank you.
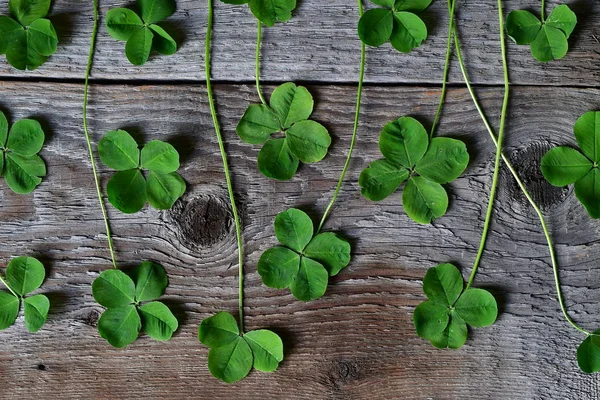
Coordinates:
(319, 44)
(358, 341)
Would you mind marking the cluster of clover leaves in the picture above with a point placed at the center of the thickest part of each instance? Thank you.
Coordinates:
(306, 260)
(123, 294)
(287, 114)
(396, 23)
(426, 163)
(547, 38)
(128, 190)
(142, 34)
(19, 161)
(268, 11)
(27, 39)
(23, 276)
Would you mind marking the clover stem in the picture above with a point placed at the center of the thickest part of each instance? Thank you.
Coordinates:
(361, 79)
(257, 73)
(87, 135)
(543, 10)
(8, 287)
(519, 183)
(234, 210)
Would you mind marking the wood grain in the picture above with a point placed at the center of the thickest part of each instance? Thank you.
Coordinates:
(357, 342)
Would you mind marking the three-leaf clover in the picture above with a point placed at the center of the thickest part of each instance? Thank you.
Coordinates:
(268, 11)
(19, 161)
(396, 23)
(547, 39)
(122, 295)
(233, 353)
(128, 190)
(305, 140)
(563, 165)
(588, 353)
(305, 261)
(142, 34)
(27, 39)
(23, 276)
(409, 154)
(444, 317)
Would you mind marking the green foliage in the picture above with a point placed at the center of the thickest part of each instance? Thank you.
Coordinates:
(305, 140)
(547, 39)
(142, 34)
(128, 190)
(427, 164)
(396, 23)
(444, 317)
(588, 353)
(24, 275)
(27, 39)
(233, 353)
(122, 295)
(305, 261)
(19, 161)
(268, 12)
(563, 166)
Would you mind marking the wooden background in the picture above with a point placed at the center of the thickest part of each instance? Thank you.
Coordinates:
(358, 341)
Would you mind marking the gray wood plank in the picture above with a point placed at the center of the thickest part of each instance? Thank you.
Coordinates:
(319, 44)
(358, 341)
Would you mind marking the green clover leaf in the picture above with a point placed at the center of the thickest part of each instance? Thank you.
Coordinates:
(141, 33)
(396, 23)
(588, 353)
(268, 12)
(232, 353)
(563, 166)
(305, 261)
(128, 189)
(125, 316)
(426, 164)
(444, 317)
(305, 140)
(547, 39)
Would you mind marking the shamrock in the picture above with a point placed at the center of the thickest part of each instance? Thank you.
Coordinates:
(588, 353)
(128, 190)
(142, 34)
(563, 165)
(396, 23)
(27, 39)
(305, 261)
(23, 276)
(547, 39)
(443, 319)
(233, 353)
(122, 295)
(409, 154)
(288, 113)
(268, 11)
(19, 162)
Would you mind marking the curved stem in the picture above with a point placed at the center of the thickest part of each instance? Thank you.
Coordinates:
(543, 10)
(234, 210)
(257, 63)
(8, 287)
(87, 135)
(361, 79)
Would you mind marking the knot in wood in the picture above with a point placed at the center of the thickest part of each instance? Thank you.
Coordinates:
(342, 372)
(202, 221)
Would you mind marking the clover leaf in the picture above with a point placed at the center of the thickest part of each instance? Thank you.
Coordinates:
(27, 39)
(427, 164)
(305, 140)
(547, 39)
(444, 317)
(396, 23)
(305, 261)
(233, 353)
(142, 34)
(19, 162)
(268, 11)
(23, 276)
(122, 295)
(588, 353)
(563, 165)
(128, 189)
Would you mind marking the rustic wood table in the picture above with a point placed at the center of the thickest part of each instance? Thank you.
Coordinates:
(358, 341)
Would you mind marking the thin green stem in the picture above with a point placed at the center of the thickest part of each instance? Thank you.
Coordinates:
(543, 10)
(361, 79)
(87, 135)
(234, 210)
(257, 63)
(8, 287)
